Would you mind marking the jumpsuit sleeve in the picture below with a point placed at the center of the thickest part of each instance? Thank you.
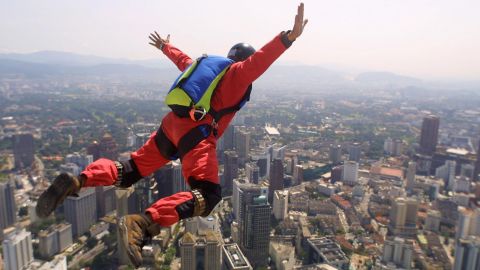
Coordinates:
(179, 58)
(247, 71)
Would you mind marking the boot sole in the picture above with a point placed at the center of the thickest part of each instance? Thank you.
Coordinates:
(123, 230)
(50, 199)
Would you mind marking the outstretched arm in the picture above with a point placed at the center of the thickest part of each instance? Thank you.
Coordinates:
(179, 58)
(254, 66)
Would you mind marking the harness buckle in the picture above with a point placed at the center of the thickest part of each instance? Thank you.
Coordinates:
(197, 114)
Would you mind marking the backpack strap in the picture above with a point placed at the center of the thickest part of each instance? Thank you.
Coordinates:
(218, 115)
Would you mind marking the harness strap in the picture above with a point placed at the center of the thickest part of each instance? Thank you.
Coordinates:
(218, 115)
(192, 138)
(186, 143)
(165, 146)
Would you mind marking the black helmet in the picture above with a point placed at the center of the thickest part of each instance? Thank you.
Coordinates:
(240, 52)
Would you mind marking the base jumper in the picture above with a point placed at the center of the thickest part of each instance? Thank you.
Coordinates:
(178, 137)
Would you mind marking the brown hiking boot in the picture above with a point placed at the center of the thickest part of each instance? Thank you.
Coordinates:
(64, 185)
(135, 231)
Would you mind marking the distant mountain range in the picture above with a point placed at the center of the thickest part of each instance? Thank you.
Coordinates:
(309, 78)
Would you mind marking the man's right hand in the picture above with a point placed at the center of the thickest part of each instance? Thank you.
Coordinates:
(157, 41)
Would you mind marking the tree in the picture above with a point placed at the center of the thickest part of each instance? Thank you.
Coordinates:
(92, 242)
(23, 211)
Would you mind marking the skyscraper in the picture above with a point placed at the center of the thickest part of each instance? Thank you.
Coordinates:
(17, 250)
(54, 240)
(350, 172)
(411, 171)
(81, 211)
(23, 150)
(201, 252)
(403, 217)
(398, 251)
(254, 223)
(230, 171)
(447, 173)
(228, 138)
(252, 172)
(105, 196)
(476, 171)
(298, 174)
(242, 145)
(335, 153)
(276, 178)
(429, 134)
(8, 209)
(467, 254)
(280, 204)
(354, 152)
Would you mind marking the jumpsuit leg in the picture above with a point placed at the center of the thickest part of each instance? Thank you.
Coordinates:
(200, 168)
(143, 162)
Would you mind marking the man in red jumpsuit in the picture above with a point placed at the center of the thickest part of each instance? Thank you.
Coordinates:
(199, 165)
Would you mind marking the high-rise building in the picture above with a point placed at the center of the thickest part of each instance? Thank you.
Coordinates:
(354, 151)
(263, 163)
(229, 138)
(170, 180)
(252, 172)
(105, 196)
(337, 174)
(476, 171)
(467, 254)
(17, 250)
(233, 258)
(398, 251)
(23, 150)
(411, 171)
(198, 252)
(468, 223)
(280, 204)
(403, 217)
(253, 222)
(429, 134)
(242, 145)
(447, 173)
(350, 173)
(108, 147)
(276, 178)
(230, 171)
(179, 182)
(432, 222)
(297, 174)
(55, 239)
(81, 211)
(335, 154)
(8, 208)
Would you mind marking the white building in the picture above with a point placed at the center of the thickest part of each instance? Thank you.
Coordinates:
(17, 250)
(350, 172)
(280, 204)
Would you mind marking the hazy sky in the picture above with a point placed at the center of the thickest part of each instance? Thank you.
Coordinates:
(424, 38)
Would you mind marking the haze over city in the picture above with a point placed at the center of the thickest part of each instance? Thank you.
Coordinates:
(425, 39)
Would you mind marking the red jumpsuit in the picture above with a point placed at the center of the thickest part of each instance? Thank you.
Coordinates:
(200, 163)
